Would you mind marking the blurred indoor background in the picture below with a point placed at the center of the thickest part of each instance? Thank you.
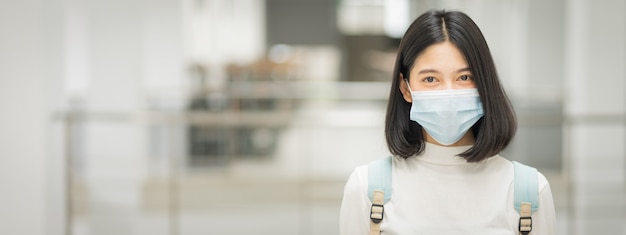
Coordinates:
(182, 117)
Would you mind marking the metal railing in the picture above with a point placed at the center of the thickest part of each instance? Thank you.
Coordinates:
(342, 92)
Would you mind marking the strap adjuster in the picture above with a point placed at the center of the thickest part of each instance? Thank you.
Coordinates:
(525, 225)
(376, 213)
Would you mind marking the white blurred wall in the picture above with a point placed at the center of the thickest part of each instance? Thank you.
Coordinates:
(595, 110)
(30, 86)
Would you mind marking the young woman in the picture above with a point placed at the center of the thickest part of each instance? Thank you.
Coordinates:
(448, 118)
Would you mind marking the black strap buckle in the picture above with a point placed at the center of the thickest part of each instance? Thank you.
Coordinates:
(377, 216)
(528, 225)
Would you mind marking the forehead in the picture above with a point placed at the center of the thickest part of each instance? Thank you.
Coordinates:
(440, 56)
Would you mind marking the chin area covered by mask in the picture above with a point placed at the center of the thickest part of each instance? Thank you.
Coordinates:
(446, 115)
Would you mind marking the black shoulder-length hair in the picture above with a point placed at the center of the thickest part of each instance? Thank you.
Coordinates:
(494, 131)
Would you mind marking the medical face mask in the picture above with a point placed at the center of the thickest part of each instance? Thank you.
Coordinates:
(446, 114)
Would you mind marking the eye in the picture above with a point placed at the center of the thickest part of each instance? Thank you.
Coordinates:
(429, 79)
(465, 78)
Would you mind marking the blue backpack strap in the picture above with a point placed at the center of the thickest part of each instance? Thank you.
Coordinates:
(526, 186)
(379, 178)
(378, 191)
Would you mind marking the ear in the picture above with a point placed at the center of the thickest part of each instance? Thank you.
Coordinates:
(404, 88)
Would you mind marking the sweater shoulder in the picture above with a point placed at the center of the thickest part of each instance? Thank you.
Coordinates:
(543, 181)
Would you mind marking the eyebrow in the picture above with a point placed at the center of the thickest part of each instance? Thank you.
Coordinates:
(466, 69)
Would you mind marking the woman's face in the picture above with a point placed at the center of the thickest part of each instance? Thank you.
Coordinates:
(440, 66)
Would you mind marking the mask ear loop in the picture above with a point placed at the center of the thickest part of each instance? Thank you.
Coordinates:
(408, 85)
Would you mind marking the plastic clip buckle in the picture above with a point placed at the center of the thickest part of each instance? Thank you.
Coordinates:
(376, 213)
(525, 225)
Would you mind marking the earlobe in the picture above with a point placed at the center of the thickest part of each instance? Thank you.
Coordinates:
(404, 88)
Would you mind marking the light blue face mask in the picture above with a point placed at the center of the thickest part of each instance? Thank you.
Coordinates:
(446, 114)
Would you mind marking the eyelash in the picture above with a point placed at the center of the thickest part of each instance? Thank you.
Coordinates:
(426, 79)
(469, 77)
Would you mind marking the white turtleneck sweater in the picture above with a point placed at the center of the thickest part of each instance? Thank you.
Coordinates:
(440, 193)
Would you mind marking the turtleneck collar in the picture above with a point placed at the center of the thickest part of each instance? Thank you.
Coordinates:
(443, 155)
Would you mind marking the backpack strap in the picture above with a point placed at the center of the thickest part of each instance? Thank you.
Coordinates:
(378, 190)
(526, 195)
